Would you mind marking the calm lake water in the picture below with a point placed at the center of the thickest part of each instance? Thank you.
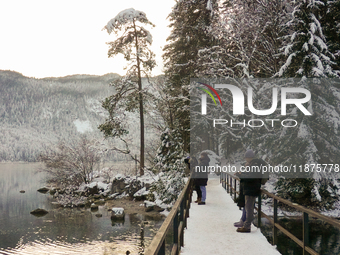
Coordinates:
(61, 231)
(323, 237)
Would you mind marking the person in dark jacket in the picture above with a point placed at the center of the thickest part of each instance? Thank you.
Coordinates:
(192, 163)
(202, 176)
(251, 188)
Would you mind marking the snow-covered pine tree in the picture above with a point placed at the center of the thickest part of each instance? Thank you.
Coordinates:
(169, 163)
(247, 35)
(306, 47)
(133, 42)
(190, 21)
(211, 60)
(315, 140)
(170, 154)
(331, 28)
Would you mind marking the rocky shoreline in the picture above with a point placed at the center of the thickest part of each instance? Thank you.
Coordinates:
(131, 194)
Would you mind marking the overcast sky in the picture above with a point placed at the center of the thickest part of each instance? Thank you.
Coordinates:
(52, 38)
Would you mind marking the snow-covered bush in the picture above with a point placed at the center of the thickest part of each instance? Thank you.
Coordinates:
(171, 169)
(168, 187)
(170, 154)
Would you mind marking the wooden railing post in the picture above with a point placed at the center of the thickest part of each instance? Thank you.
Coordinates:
(227, 177)
(235, 190)
(225, 181)
(181, 224)
(175, 228)
(162, 249)
(275, 221)
(305, 233)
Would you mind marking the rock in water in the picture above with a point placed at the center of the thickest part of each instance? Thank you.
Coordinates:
(22, 191)
(39, 212)
(94, 207)
(43, 190)
(117, 213)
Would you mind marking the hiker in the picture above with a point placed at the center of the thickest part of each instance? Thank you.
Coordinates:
(251, 189)
(202, 176)
(192, 163)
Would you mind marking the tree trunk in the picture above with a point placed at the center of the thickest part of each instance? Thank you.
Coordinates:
(141, 115)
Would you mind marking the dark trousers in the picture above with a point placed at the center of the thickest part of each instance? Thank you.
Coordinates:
(249, 207)
(198, 191)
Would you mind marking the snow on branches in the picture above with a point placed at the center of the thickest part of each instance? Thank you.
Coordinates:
(125, 17)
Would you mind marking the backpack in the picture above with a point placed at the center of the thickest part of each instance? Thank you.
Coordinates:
(265, 176)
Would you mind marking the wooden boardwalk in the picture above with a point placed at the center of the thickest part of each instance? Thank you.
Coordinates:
(210, 228)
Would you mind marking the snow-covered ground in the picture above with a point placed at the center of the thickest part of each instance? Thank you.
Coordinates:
(210, 227)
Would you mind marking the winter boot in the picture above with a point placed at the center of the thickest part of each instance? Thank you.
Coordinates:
(239, 224)
(243, 230)
(198, 200)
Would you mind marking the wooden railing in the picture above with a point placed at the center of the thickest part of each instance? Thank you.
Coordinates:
(230, 183)
(178, 219)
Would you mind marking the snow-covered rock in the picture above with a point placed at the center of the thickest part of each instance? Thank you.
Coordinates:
(112, 196)
(124, 194)
(141, 194)
(118, 185)
(117, 213)
(125, 184)
(149, 206)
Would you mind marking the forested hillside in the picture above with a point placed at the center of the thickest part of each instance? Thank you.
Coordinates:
(36, 113)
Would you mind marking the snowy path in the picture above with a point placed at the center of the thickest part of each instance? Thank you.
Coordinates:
(210, 227)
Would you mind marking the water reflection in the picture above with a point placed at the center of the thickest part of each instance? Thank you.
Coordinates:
(61, 231)
(324, 238)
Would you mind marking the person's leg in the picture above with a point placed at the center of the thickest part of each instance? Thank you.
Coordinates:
(240, 223)
(243, 218)
(204, 193)
(249, 208)
(199, 193)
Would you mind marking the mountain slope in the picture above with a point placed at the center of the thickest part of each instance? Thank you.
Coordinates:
(35, 113)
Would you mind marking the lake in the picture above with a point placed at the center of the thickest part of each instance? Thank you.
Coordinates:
(324, 238)
(62, 230)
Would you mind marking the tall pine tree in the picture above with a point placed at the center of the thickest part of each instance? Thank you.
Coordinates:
(315, 139)
(133, 42)
(190, 21)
